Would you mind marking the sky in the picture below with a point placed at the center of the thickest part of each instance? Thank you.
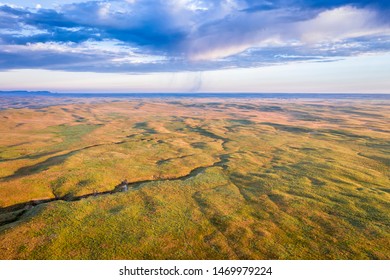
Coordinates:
(334, 46)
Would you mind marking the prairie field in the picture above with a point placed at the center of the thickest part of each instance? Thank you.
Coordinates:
(207, 179)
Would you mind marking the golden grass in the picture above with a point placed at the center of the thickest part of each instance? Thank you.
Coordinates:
(281, 180)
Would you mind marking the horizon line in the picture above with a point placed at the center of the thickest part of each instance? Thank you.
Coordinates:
(43, 92)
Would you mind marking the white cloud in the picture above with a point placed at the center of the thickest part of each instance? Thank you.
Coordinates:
(104, 10)
(338, 24)
(270, 29)
(111, 49)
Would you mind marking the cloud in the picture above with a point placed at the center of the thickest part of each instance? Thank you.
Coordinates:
(341, 23)
(284, 27)
(175, 35)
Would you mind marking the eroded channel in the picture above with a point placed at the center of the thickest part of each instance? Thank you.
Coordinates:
(16, 212)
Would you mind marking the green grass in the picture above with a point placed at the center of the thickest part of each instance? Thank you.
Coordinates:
(268, 180)
(69, 134)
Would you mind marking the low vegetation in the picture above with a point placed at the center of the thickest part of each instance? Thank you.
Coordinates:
(209, 179)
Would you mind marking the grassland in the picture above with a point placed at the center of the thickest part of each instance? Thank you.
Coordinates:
(210, 179)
